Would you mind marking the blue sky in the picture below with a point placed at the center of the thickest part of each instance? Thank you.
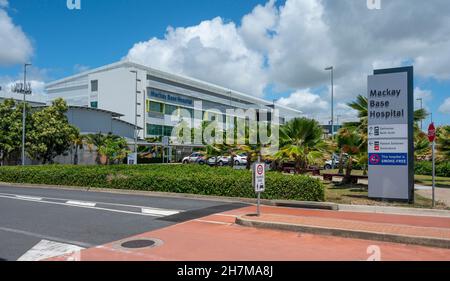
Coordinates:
(274, 49)
(103, 31)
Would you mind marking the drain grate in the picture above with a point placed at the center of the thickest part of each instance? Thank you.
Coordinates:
(137, 244)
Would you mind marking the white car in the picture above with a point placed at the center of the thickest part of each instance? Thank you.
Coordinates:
(240, 159)
(193, 158)
(329, 164)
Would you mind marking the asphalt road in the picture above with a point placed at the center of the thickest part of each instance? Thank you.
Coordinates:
(32, 216)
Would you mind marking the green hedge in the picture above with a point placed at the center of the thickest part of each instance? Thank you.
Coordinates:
(192, 179)
(426, 168)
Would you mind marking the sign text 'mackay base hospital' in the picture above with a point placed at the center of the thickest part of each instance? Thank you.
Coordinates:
(380, 109)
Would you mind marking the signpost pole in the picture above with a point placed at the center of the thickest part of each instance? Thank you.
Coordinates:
(432, 139)
(434, 173)
(259, 183)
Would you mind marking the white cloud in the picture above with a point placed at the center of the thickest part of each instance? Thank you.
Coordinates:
(445, 107)
(38, 87)
(309, 103)
(79, 68)
(289, 45)
(15, 46)
(425, 95)
(212, 51)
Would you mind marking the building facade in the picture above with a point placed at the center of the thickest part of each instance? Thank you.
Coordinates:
(153, 99)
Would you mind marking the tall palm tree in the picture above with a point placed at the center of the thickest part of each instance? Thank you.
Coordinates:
(77, 143)
(350, 142)
(98, 141)
(301, 141)
(443, 143)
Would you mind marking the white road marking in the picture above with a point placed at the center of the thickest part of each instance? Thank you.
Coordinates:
(159, 212)
(42, 236)
(46, 249)
(88, 205)
(80, 203)
(29, 197)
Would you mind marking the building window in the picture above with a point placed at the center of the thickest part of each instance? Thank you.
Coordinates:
(94, 86)
(154, 130)
(168, 131)
(170, 109)
(156, 107)
(184, 111)
(94, 104)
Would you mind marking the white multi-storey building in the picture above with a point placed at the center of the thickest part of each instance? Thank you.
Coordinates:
(159, 94)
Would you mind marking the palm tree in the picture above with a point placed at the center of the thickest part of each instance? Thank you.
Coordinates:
(443, 143)
(301, 141)
(422, 150)
(350, 142)
(98, 141)
(77, 143)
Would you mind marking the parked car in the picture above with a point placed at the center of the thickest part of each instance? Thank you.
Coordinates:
(193, 158)
(240, 159)
(329, 164)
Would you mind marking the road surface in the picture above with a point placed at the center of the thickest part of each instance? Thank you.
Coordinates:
(37, 224)
(86, 219)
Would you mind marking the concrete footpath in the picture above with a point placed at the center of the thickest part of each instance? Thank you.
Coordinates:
(217, 237)
(424, 230)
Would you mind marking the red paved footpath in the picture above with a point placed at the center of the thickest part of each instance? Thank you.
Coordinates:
(218, 238)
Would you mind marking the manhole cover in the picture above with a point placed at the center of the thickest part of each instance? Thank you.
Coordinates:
(137, 244)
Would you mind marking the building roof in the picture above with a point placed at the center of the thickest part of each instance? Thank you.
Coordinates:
(114, 114)
(176, 78)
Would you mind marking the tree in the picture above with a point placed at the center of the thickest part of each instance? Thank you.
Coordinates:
(11, 130)
(301, 141)
(443, 143)
(350, 143)
(77, 143)
(96, 140)
(115, 149)
(51, 134)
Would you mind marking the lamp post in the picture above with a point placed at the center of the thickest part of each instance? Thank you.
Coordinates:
(24, 89)
(421, 107)
(136, 114)
(331, 69)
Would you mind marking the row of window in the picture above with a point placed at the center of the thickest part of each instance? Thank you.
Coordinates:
(158, 130)
(168, 109)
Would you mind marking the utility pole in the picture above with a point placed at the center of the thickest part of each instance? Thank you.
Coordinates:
(24, 89)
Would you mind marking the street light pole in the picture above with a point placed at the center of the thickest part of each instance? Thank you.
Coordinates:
(331, 68)
(421, 107)
(25, 90)
(136, 114)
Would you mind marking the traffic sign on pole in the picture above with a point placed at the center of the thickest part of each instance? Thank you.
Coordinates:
(432, 132)
(432, 138)
(259, 182)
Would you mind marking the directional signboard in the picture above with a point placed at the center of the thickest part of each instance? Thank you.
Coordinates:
(390, 134)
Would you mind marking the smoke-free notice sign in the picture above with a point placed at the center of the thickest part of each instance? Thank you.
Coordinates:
(390, 145)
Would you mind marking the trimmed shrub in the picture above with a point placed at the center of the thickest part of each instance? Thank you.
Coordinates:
(192, 179)
(426, 168)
